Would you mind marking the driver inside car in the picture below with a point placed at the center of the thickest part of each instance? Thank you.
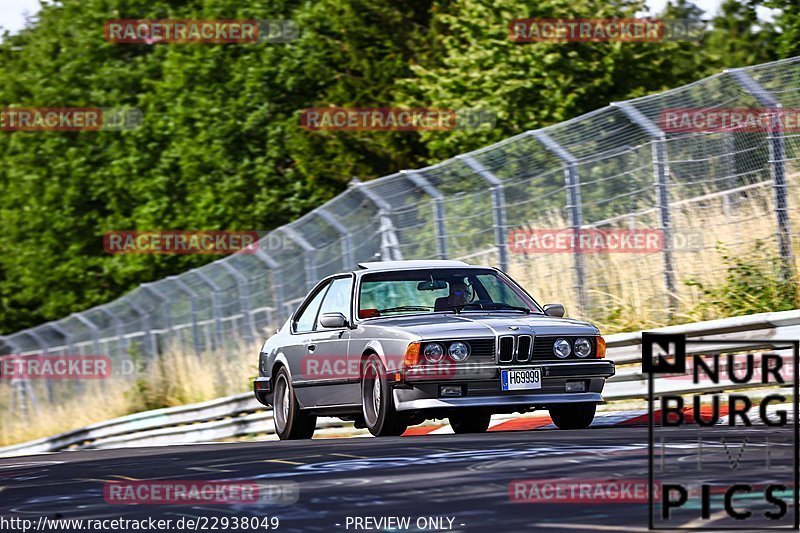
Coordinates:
(460, 294)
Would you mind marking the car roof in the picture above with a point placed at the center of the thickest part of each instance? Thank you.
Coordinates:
(404, 265)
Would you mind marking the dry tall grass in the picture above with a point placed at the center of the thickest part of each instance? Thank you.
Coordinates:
(627, 291)
(177, 377)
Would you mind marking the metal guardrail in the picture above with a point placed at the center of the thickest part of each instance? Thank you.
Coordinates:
(241, 414)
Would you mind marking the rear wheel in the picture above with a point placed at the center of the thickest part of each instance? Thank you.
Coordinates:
(467, 421)
(290, 422)
(573, 416)
(377, 402)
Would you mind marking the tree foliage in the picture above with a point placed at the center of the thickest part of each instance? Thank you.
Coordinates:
(220, 146)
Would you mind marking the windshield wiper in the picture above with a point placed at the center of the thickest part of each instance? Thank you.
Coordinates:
(405, 308)
(492, 307)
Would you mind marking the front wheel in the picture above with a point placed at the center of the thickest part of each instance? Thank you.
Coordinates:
(290, 422)
(466, 421)
(573, 416)
(377, 402)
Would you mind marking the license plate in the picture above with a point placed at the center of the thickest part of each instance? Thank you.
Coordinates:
(521, 379)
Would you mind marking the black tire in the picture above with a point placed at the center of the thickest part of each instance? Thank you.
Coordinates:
(377, 401)
(469, 421)
(290, 422)
(573, 416)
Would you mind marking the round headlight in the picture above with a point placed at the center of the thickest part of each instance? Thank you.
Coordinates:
(459, 351)
(582, 347)
(433, 352)
(561, 348)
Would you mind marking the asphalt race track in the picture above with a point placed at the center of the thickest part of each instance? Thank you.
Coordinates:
(465, 478)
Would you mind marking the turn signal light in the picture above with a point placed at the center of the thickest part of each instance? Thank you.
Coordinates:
(601, 348)
(412, 355)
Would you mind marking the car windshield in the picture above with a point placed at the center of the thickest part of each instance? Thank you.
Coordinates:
(439, 290)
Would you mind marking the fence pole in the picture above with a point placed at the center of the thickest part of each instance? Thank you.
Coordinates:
(348, 262)
(188, 291)
(68, 341)
(119, 327)
(777, 163)
(575, 208)
(44, 348)
(150, 347)
(390, 244)
(661, 171)
(438, 208)
(498, 207)
(277, 285)
(147, 287)
(309, 255)
(244, 295)
(93, 328)
(13, 346)
(215, 304)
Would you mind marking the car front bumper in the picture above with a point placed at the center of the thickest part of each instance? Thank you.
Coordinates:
(485, 392)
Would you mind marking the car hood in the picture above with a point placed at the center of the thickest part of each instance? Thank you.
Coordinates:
(464, 325)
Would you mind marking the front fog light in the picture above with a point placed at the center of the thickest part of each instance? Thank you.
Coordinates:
(450, 391)
(433, 352)
(561, 348)
(576, 386)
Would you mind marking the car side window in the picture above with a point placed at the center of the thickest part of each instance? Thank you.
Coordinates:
(308, 317)
(337, 300)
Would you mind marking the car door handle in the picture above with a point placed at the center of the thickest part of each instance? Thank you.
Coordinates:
(312, 347)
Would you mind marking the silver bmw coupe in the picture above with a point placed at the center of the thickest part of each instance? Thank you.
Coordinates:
(397, 342)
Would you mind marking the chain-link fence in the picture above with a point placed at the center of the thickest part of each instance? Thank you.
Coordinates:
(616, 169)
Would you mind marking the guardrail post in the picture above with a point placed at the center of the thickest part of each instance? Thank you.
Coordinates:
(198, 346)
(119, 327)
(438, 207)
(661, 170)
(277, 285)
(244, 295)
(347, 244)
(498, 207)
(147, 287)
(574, 206)
(309, 255)
(777, 160)
(390, 244)
(215, 304)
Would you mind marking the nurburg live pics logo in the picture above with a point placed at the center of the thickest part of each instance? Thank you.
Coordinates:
(733, 464)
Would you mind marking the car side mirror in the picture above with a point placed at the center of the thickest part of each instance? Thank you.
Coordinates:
(333, 320)
(554, 310)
